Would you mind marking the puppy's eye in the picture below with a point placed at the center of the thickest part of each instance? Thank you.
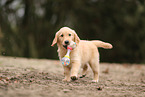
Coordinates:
(62, 35)
(69, 34)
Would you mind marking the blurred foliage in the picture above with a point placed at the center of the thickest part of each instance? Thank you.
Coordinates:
(27, 27)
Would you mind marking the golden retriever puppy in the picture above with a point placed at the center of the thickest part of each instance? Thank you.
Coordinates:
(85, 53)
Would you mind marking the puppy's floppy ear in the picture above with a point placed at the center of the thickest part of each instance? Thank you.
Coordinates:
(76, 38)
(54, 40)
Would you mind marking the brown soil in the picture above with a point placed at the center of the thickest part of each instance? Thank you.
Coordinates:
(21, 77)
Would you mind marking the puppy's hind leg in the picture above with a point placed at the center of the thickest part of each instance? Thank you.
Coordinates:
(95, 68)
(84, 72)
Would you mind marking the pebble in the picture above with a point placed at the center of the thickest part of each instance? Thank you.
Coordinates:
(66, 90)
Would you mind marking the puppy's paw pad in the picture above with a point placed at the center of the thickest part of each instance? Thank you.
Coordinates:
(74, 78)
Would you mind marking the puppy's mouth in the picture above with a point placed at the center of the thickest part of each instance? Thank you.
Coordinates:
(65, 46)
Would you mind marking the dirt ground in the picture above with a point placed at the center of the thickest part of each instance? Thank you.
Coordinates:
(21, 77)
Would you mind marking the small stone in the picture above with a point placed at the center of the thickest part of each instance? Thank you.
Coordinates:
(66, 90)
(99, 88)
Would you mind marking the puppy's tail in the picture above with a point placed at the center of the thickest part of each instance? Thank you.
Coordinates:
(102, 44)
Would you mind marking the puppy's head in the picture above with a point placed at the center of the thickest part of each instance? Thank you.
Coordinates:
(64, 37)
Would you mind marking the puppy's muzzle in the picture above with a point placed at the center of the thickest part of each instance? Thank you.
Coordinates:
(66, 44)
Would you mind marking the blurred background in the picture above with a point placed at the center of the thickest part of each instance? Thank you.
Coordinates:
(27, 27)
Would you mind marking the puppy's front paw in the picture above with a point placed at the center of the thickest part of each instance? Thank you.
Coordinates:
(74, 78)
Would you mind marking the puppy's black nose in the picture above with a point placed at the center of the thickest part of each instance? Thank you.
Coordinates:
(66, 42)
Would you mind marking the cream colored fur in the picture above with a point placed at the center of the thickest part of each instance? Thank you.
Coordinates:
(85, 53)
